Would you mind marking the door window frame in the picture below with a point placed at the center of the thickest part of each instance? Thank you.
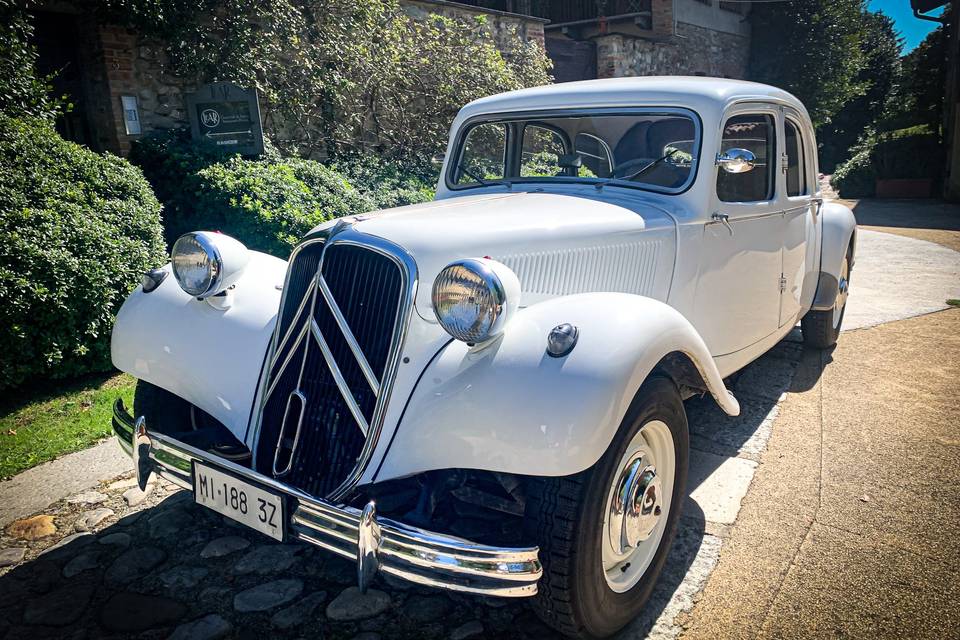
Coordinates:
(743, 207)
(809, 176)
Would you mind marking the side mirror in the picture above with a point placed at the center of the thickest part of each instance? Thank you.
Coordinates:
(438, 159)
(737, 160)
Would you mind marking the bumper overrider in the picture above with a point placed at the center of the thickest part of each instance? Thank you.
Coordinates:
(375, 543)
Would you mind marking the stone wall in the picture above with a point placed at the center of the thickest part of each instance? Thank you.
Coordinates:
(692, 51)
(505, 28)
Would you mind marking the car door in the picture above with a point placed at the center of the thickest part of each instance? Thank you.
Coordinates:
(738, 288)
(800, 217)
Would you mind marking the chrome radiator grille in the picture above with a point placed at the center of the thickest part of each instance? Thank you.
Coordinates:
(338, 336)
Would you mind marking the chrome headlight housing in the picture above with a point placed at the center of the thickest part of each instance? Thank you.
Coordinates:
(474, 298)
(206, 263)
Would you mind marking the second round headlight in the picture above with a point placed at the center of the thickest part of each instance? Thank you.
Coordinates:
(472, 301)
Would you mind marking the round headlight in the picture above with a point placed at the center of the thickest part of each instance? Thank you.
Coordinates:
(197, 264)
(472, 300)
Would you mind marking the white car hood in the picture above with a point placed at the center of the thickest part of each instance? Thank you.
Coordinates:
(556, 244)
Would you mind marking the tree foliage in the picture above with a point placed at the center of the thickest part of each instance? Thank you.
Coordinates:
(338, 75)
(920, 96)
(811, 48)
(22, 91)
(881, 47)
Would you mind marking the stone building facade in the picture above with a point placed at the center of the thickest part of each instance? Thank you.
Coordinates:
(671, 37)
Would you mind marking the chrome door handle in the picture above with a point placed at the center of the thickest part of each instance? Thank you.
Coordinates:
(723, 219)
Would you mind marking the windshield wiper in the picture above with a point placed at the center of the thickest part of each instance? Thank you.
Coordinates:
(639, 172)
(461, 167)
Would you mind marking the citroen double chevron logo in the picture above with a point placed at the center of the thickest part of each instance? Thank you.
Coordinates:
(306, 338)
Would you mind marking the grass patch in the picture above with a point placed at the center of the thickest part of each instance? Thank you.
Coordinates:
(953, 302)
(49, 419)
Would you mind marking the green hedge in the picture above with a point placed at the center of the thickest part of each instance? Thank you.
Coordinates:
(77, 231)
(270, 202)
(905, 153)
(270, 205)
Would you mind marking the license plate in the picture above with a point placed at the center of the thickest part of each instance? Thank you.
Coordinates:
(239, 500)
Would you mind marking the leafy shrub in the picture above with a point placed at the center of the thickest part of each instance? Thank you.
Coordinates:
(857, 177)
(270, 205)
(77, 231)
(171, 161)
(905, 153)
(388, 182)
(22, 91)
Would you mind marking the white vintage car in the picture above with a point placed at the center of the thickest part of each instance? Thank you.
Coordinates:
(485, 393)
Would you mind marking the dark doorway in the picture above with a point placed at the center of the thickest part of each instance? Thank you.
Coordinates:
(57, 42)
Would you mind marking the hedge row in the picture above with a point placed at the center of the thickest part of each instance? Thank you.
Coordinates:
(271, 202)
(77, 231)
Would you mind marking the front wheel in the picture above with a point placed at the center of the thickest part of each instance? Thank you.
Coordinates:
(821, 329)
(604, 534)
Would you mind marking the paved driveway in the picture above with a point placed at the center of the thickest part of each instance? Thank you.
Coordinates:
(102, 564)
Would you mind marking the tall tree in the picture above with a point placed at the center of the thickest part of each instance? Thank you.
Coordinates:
(811, 48)
(881, 47)
(924, 78)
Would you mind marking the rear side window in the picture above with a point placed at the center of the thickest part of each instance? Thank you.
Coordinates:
(756, 133)
(796, 173)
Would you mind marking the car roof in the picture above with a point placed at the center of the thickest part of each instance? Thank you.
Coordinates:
(707, 96)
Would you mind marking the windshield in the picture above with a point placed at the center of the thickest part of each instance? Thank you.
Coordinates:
(651, 149)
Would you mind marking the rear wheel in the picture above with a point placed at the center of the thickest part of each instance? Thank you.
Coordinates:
(604, 534)
(821, 329)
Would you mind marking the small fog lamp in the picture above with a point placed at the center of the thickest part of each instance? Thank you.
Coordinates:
(562, 339)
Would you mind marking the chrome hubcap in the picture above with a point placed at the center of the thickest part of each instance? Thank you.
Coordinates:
(637, 506)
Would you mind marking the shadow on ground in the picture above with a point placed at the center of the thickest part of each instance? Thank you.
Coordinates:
(175, 567)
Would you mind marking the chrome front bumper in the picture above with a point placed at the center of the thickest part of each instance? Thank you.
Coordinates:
(376, 544)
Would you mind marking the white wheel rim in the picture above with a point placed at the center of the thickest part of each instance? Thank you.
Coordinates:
(843, 286)
(637, 506)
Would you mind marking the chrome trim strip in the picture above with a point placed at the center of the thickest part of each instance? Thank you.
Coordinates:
(296, 436)
(344, 232)
(286, 361)
(417, 555)
(348, 335)
(338, 378)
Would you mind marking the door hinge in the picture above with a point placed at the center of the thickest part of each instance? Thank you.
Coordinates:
(783, 283)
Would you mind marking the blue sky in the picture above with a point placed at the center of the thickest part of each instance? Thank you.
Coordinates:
(913, 30)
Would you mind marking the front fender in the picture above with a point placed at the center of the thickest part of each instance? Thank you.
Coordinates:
(839, 232)
(510, 407)
(208, 356)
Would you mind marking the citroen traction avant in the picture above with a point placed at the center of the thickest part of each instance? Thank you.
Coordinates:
(485, 393)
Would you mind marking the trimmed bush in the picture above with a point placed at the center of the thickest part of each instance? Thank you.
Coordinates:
(388, 182)
(268, 205)
(77, 231)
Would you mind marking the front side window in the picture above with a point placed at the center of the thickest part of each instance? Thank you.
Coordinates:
(483, 154)
(756, 133)
(796, 172)
(655, 150)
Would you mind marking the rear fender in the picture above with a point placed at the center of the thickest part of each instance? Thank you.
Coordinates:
(839, 234)
(209, 356)
(511, 407)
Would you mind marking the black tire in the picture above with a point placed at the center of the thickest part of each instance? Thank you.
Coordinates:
(564, 517)
(821, 329)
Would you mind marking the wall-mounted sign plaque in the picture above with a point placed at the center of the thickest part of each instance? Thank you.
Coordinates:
(226, 117)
